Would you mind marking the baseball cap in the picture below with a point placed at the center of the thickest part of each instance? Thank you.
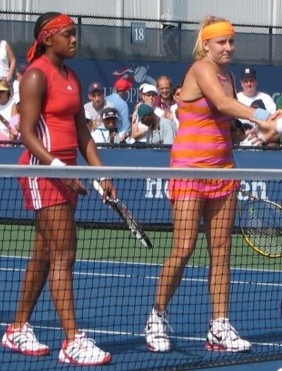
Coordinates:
(142, 86)
(109, 112)
(95, 86)
(143, 110)
(4, 85)
(148, 88)
(248, 72)
(122, 85)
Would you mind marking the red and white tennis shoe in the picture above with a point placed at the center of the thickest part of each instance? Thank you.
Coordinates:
(23, 340)
(83, 351)
(156, 331)
(223, 337)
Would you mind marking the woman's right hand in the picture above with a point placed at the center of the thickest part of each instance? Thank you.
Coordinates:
(268, 129)
(109, 189)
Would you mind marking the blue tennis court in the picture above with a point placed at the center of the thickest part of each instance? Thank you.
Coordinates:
(113, 301)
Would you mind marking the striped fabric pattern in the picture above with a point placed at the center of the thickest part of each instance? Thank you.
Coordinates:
(203, 140)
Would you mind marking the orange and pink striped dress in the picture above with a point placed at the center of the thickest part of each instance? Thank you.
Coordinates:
(203, 140)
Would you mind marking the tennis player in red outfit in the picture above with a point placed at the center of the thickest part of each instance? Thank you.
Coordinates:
(53, 129)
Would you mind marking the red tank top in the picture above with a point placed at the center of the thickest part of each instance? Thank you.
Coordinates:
(56, 128)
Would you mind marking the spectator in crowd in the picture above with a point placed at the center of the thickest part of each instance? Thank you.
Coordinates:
(120, 89)
(108, 131)
(148, 95)
(176, 93)
(203, 140)
(251, 96)
(14, 123)
(96, 105)
(165, 87)
(140, 90)
(172, 114)
(160, 130)
(243, 136)
(7, 61)
(7, 110)
(20, 70)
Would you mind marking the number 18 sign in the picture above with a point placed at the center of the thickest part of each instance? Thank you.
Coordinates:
(138, 32)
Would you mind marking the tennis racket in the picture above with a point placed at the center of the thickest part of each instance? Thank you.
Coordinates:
(126, 216)
(261, 225)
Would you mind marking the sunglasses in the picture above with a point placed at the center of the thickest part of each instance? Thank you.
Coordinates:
(151, 94)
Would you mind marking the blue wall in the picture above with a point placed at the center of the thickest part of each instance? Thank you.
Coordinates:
(245, 158)
(269, 77)
(107, 72)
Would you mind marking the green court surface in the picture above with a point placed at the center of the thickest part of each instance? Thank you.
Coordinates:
(121, 245)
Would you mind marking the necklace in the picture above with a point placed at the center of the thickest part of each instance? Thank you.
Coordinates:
(223, 76)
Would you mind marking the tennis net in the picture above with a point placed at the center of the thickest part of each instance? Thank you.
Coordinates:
(116, 275)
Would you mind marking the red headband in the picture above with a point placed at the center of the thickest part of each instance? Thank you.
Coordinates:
(49, 29)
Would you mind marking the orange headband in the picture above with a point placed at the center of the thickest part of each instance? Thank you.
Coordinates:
(216, 30)
(50, 28)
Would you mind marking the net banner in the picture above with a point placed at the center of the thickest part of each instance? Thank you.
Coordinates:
(152, 192)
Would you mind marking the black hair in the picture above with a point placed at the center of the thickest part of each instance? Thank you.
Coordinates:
(237, 125)
(176, 88)
(39, 24)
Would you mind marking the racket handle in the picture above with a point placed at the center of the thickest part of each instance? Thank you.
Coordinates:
(97, 186)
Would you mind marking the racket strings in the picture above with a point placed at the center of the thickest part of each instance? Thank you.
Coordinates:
(261, 227)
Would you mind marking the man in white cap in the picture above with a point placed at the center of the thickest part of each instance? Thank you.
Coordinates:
(251, 96)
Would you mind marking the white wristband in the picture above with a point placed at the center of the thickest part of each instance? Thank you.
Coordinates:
(279, 126)
(57, 162)
(102, 179)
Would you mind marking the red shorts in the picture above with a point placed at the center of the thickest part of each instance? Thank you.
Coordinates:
(183, 189)
(44, 192)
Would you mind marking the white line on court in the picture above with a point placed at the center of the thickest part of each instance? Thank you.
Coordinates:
(185, 279)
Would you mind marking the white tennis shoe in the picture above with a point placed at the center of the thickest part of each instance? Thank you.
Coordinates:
(83, 351)
(223, 337)
(156, 332)
(23, 340)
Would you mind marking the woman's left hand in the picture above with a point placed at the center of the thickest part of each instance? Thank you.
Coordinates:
(77, 186)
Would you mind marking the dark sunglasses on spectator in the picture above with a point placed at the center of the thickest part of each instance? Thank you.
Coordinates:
(151, 94)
